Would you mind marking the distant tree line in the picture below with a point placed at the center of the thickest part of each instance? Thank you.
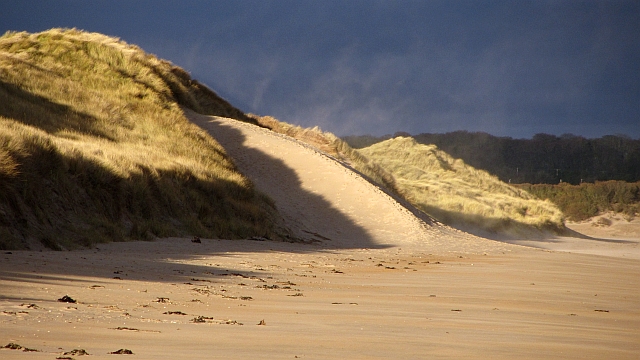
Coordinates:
(580, 202)
(544, 159)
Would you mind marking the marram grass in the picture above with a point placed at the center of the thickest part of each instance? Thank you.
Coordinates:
(94, 147)
(457, 193)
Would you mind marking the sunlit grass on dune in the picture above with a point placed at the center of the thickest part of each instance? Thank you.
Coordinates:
(456, 193)
(94, 146)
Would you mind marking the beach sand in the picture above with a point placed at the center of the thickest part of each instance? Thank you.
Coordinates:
(617, 237)
(317, 303)
(376, 283)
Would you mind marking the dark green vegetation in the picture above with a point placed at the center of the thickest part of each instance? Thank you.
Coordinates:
(95, 147)
(544, 159)
(580, 202)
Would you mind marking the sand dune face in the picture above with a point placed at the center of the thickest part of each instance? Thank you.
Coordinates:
(319, 198)
(322, 199)
(376, 283)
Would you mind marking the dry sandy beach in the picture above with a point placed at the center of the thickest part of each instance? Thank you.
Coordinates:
(376, 283)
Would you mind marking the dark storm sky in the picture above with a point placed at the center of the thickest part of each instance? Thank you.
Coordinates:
(509, 68)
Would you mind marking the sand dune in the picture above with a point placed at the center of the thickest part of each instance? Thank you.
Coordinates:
(322, 199)
(376, 283)
(319, 198)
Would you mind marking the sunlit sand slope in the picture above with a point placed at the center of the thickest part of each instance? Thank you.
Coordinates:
(323, 200)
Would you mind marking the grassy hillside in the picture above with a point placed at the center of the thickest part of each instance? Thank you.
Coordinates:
(458, 194)
(580, 202)
(94, 147)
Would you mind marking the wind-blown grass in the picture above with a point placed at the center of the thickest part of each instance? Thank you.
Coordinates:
(458, 194)
(94, 147)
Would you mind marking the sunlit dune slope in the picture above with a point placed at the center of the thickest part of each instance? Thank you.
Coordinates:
(459, 194)
(324, 201)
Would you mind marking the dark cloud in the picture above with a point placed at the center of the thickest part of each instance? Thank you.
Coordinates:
(355, 67)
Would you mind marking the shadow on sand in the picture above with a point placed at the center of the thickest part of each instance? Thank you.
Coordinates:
(170, 260)
(165, 260)
(309, 216)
